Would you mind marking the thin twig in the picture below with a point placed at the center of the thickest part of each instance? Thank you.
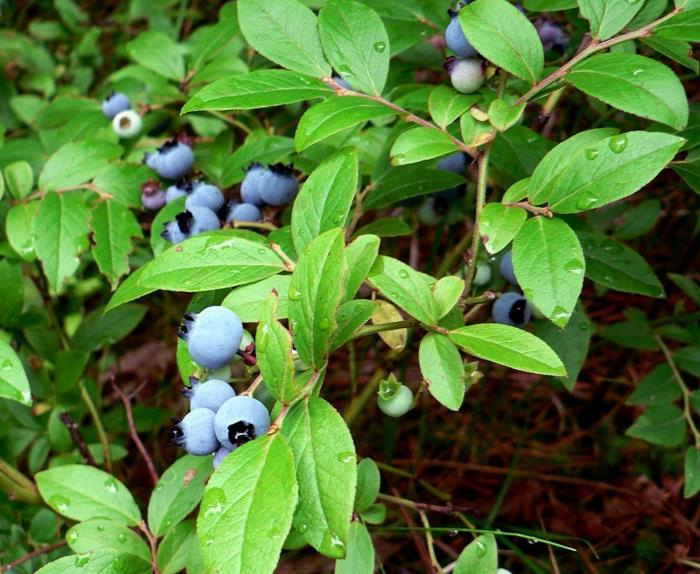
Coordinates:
(78, 440)
(429, 542)
(126, 400)
(289, 265)
(99, 427)
(152, 543)
(33, 554)
(546, 211)
(480, 200)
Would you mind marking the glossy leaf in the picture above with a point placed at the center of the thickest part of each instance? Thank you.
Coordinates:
(419, 144)
(608, 17)
(360, 554)
(248, 301)
(499, 224)
(157, 52)
(442, 368)
(13, 380)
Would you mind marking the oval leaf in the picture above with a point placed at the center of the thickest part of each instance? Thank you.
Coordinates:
(442, 368)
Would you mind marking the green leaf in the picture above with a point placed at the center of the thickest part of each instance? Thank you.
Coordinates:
(178, 492)
(509, 346)
(97, 562)
(549, 265)
(100, 534)
(317, 287)
(289, 36)
(446, 105)
(114, 226)
(360, 256)
(273, 345)
(662, 425)
(658, 387)
(19, 177)
(515, 154)
(684, 26)
(634, 84)
(324, 456)
(689, 169)
(13, 380)
(677, 50)
(129, 290)
(61, 228)
(351, 316)
(503, 115)
(12, 292)
(498, 225)
(257, 89)
(268, 149)
(176, 549)
(447, 292)
(360, 554)
(550, 173)
(157, 52)
(335, 115)
(101, 328)
(442, 368)
(419, 144)
(406, 287)
(570, 343)
(481, 555)
(82, 492)
(62, 170)
(368, 483)
(688, 359)
(356, 43)
(248, 301)
(123, 182)
(503, 35)
(247, 508)
(608, 17)
(19, 225)
(325, 198)
(688, 286)
(210, 261)
(638, 219)
(166, 214)
(691, 473)
(610, 169)
(410, 181)
(616, 266)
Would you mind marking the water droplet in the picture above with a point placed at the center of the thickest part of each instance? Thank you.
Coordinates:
(637, 72)
(344, 71)
(324, 324)
(214, 502)
(303, 528)
(589, 244)
(119, 564)
(263, 338)
(209, 541)
(168, 523)
(59, 502)
(338, 218)
(6, 364)
(574, 266)
(111, 485)
(398, 159)
(82, 559)
(583, 326)
(532, 540)
(591, 153)
(379, 47)
(121, 537)
(294, 294)
(403, 274)
(100, 527)
(585, 201)
(346, 457)
(274, 533)
(452, 533)
(618, 143)
(612, 247)
(560, 316)
(73, 537)
(159, 488)
(480, 548)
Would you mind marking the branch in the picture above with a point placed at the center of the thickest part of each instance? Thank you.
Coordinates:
(78, 440)
(33, 554)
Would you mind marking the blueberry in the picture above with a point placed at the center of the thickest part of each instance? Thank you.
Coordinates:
(466, 75)
(177, 190)
(342, 82)
(213, 336)
(277, 185)
(127, 124)
(239, 420)
(511, 309)
(220, 455)
(210, 394)
(503, 571)
(173, 160)
(203, 219)
(250, 186)
(195, 433)
(205, 195)
(189, 223)
(483, 274)
(427, 214)
(456, 40)
(150, 158)
(397, 403)
(153, 200)
(114, 103)
(243, 212)
(551, 35)
(506, 268)
(454, 163)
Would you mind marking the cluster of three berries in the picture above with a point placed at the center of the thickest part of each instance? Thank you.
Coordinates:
(126, 123)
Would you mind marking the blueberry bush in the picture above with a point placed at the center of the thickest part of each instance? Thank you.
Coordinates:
(355, 214)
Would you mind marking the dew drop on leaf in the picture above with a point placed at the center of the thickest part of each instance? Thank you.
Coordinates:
(379, 47)
(618, 143)
(574, 266)
(81, 560)
(346, 457)
(592, 153)
(303, 528)
(59, 502)
(403, 274)
(480, 549)
(585, 201)
(121, 537)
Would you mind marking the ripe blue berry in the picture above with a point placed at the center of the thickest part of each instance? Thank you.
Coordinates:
(173, 160)
(153, 200)
(127, 124)
(456, 40)
(454, 163)
(176, 190)
(506, 268)
(250, 186)
(396, 404)
(220, 455)
(277, 185)
(213, 336)
(511, 309)
(467, 75)
(239, 420)
(205, 195)
(551, 35)
(342, 82)
(243, 212)
(114, 103)
(195, 433)
(189, 223)
(210, 394)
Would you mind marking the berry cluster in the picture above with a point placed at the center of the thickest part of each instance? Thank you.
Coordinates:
(219, 421)
(126, 123)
